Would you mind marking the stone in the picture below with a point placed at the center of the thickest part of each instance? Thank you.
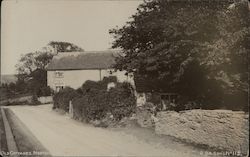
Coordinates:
(223, 129)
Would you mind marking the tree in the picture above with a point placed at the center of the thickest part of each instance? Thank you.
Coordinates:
(192, 45)
(58, 46)
(32, 75)
(32, 61)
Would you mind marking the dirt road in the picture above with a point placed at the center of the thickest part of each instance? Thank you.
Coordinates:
(64, 136)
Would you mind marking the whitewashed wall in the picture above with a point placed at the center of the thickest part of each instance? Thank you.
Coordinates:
(45, 99)
(75, 78)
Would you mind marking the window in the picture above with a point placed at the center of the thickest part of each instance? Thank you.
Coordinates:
(58, 74)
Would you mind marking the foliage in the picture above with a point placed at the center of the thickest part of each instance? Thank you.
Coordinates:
(93, 105)
(100, 85)
(32, 75)
(121, 101)
(34, 100)
(32, 61)
(96, 102)
(37, 83)
(63, 97)
(199, 48)
(13, 90)
(59, 46)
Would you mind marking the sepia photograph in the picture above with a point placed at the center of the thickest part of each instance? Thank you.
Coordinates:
(124, 78)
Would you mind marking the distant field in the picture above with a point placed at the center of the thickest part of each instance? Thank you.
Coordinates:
(8, 78)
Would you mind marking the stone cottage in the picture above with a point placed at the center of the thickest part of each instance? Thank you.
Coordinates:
(74, 68)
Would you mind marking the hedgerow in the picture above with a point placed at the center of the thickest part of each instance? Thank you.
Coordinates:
(96, 102)
(122, 101)
(62, 98)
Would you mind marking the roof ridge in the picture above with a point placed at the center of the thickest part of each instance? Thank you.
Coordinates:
(83, 60)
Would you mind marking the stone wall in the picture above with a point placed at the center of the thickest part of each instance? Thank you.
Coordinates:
(19, 100)
(144, 117)
(221, 129)
(45, 99)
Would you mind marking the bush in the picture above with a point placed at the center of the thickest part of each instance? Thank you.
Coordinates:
(62, 98)
(91, 106)
(96, 102)
(100, 85)
(93, 102)
(34, 100)
(122, 101)
(78, 104)
(44, 91)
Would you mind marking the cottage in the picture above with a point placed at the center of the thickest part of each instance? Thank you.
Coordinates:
(74, 68)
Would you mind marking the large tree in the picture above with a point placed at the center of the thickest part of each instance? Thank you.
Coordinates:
(61, 46)
(197, 47)
(32, 66)
(32, 72)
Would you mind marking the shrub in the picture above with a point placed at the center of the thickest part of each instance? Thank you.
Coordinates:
(88, 85)
(62, 98)
(100, 85)
(97, 105)
(109, 79)
(34, 100)
(122, 101)
(96, 102)
(78, 104)
(91, 105)
(44, 91)
(93, 102)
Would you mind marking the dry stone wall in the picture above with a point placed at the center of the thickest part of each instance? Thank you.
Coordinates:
(144, 117)
(221, 129)
(45, 99)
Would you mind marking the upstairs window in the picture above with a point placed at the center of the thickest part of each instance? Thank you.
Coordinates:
(58, 74)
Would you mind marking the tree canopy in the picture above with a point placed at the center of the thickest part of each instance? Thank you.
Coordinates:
(198, 47)
(59, 46)
(31, 67)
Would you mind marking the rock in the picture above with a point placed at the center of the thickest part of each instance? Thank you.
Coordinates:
(95, 122)
(144, 117)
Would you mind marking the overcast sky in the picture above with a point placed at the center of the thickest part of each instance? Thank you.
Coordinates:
(29, 25)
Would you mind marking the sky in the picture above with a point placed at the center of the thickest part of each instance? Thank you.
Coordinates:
(29, 25)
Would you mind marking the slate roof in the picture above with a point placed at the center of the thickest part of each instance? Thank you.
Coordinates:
(83, 60)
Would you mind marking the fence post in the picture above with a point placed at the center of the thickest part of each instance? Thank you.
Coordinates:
(71, 113)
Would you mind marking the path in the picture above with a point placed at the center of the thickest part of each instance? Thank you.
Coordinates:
(64, 136)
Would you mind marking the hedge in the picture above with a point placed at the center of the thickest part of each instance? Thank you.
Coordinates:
(62, 98)
(96, 102)
(122, 101)
(93, 102)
